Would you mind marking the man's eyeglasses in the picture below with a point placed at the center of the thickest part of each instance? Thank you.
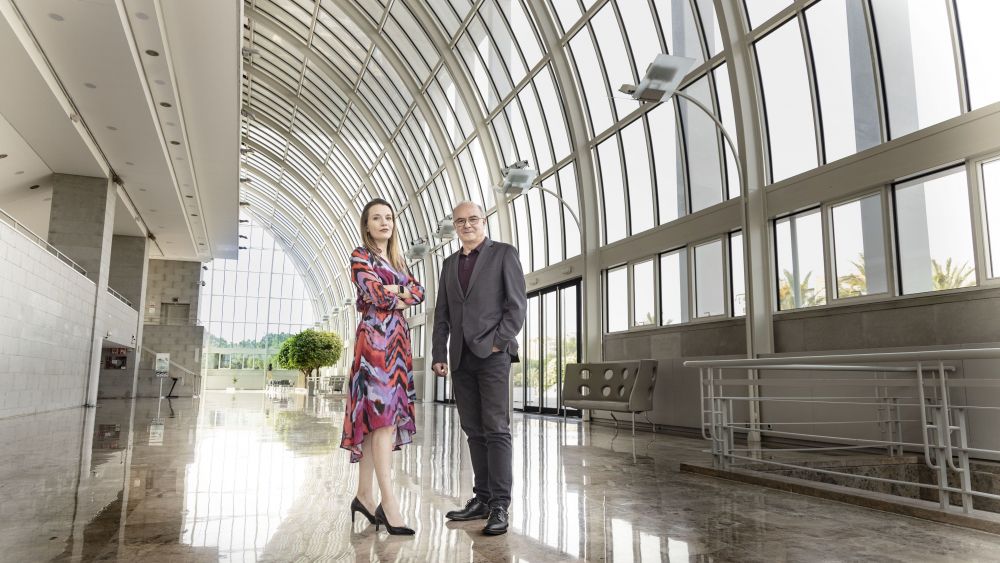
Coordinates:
(472, 221)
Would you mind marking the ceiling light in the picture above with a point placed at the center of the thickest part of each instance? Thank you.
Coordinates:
(166, 104)
(159, 82)
(56, 17)
(249, 51)
(142, 15)
(152, 53)
(243, 179)
(194, 214)
(19, 172)
(175, 142)
(112, 128)
(189, 196)
(244, 203)
(243, 236)
(242, 248)
(129, 163)
(90, 85)
(35, 187)
(244, 220)
(3, 155)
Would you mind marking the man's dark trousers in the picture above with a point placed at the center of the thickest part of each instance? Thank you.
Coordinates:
(482, 394)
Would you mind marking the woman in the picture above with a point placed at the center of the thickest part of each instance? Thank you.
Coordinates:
(379, 415)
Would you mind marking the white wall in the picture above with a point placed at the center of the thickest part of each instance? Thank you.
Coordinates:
(46, 323)
(118, 319)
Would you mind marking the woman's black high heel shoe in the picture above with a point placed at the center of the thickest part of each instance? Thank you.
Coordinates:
(393, 530)
(356, 506)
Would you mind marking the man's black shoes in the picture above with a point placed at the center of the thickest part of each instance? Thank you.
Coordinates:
(474, 510)
(497, 522)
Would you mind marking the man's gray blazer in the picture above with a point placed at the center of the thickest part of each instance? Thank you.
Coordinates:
(489, 314)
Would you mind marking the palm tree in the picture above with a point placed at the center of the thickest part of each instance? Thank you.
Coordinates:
(808, 296)
(950, 276)
(855, 283)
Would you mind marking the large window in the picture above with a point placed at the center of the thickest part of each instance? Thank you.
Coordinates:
(791, 134)
(800, 268)
(252, 304)
(674, 287)
(859, 250)
(616, 296)
(991, 194)
(643, 294)
(709, 280)
(918, 63)
(737, 279)
(934, 233)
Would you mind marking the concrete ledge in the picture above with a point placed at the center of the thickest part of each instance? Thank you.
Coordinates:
(926, 510)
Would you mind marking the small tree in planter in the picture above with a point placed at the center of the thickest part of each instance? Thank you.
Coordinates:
(310, 350)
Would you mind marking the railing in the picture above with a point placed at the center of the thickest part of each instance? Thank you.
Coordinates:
(120, 297)
(30, 235)
(873, 403)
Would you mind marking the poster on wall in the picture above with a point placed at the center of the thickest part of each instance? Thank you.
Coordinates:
(162, 364)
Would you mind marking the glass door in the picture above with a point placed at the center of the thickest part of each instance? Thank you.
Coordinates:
(550, 339)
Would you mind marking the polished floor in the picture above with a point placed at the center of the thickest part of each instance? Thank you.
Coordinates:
(247, 477)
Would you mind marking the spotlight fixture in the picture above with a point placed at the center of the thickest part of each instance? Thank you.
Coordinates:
(445, 229)
(517, 177)
(242, 248)
(2, 156)
(35, 187)
(249, 51)
(246, 150)
(244, 220)
(244, 179)
(244, 203)
(204, 268)
(418, 249)
(243, 236)
(663, 75)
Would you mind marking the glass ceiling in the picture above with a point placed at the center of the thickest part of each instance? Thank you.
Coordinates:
(423, 103)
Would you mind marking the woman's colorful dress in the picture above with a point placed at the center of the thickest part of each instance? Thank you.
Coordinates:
(381, 387)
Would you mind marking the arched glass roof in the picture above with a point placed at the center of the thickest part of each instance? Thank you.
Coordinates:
(423, 103)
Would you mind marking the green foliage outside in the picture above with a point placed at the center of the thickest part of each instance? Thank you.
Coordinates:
(950, 276)
(943, 276)
(808, 296)
(310, 350)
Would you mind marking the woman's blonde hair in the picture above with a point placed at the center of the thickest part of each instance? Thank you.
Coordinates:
(395, 254)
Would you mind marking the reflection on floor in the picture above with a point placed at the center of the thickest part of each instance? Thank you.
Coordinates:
(245, 477)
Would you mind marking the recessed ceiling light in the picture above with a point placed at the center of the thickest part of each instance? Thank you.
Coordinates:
(180, 158)
(112, 128)
(19, 172)
(4, 155)
(47, 199)
(194, 214)
(152, 211)
(201, 244)
(160, 82)
(166, 104)
(189, 196)
(142, 15)
(142, 189)
(35, 187)
(56, 17)
(130, 163)
(171, 123)
(152, 53)
(90, 85)
(175, 142)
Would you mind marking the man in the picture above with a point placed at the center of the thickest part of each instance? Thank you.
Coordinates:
(480, 305)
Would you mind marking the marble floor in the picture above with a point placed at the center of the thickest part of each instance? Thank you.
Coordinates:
(247, 477)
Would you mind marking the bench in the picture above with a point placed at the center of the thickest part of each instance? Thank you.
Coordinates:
(611, 386)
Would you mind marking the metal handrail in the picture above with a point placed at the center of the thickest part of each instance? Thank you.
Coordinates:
(918, 380)
(120, 297)
(31, 236)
